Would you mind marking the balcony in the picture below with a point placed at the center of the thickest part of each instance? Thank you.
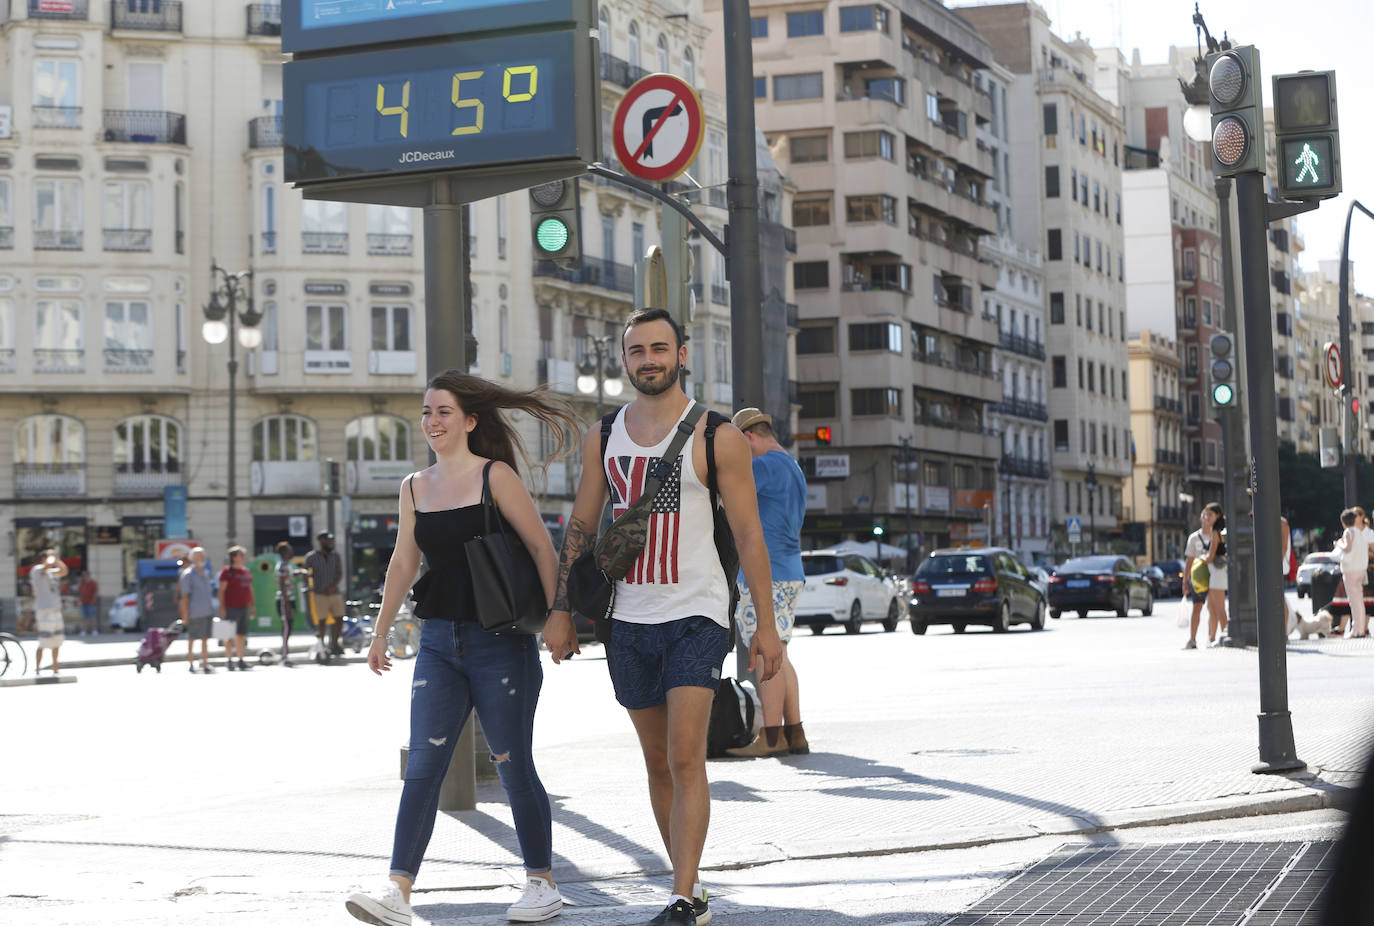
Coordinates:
(57, 117)
(264, 19)
(793, 316)
(1169, 457)
(1166, 404)
(146, 15)
(1171, 513)
(145, 126)
(593, 272)
(720, 294)
(58, 9)
(1021, 466)
(7, 360)
(1020, 344)
(264, 132)
(269, 242)
(56, 239)
(281, 477)
(46, 360)
(128, 239)
(122, 360)
(1021, 408)
(316, 242)
(558, 375)
(6, 237)
(789, 240)
(47, 480)
(392, 362)
(146, 478)
(397, 245)
(375, 477)
(619, 71)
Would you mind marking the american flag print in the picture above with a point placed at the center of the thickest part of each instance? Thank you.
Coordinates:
(657, 564)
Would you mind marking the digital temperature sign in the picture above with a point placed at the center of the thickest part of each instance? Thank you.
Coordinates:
(320, 25)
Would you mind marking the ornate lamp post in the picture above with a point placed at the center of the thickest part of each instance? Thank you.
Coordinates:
(1090, 483)
(1152, 492)
(222, 316)
(602, 375)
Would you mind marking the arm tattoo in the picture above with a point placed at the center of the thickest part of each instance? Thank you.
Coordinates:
(579, 538)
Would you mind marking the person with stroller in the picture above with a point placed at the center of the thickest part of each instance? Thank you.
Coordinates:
(460, 666)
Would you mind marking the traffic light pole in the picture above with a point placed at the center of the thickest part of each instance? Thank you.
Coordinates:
(447, 308)
(742, 240)
(1347, 387)
(1278, 753)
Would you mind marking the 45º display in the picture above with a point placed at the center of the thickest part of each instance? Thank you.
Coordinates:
(453, 104)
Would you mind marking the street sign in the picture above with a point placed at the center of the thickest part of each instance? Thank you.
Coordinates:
(657, 127)
(1331, 366)
(1075, 529)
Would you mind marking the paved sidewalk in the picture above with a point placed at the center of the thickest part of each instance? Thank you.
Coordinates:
(117, 649)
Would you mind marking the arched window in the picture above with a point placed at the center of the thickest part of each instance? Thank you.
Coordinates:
(377, 437)
(662, 48)
(147, 444)
(49, 442)
(283, 439)
(604, 24)
(689, 67)
(634, 44)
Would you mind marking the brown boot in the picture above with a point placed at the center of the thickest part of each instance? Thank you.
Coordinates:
(796, 739)
(760, 746)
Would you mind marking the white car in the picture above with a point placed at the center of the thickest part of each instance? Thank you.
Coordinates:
(123, 612)
(846, 589)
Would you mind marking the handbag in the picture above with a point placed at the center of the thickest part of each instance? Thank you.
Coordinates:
(505, 582)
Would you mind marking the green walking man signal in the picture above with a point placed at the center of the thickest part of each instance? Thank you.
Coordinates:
(1307, 135)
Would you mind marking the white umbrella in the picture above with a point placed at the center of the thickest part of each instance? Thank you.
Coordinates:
(866, 548)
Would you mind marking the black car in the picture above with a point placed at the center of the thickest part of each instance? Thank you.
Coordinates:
(1099, 583)
(983, 585)
(1173, 578)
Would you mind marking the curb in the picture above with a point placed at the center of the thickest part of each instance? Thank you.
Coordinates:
(49, 680)
(215, 661)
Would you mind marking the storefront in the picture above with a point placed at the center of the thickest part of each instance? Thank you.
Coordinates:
(271, 529)
(31, 537)
(371, 539)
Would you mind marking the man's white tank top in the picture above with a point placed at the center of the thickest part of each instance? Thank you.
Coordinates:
(679, 573)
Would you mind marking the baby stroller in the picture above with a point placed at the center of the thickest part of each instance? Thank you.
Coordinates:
(153, 648)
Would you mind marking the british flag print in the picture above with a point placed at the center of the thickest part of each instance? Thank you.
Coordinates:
(658, 563)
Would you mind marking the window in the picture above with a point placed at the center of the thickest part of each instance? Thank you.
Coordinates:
(886, 88)
(57, 93)
(716, 172)
(326, 339)
(1050, 118)
(863, 18)
(147, 444)
(720, 352)
(6, 214)
(797, 86)
(758, 27)
(57, 334)
(284, 439)
(809, 148)
(810, 211)
(1056, 308)
(879, 401)
(126, 218)
(932, 107)
(874, 144)
(811, 274)
(1061, 435)
(634, 49)
(49, 441)
(816, 339)
(661, 49)
(818, 403)
(1054, 249)
(1077, 250)
(689, 66)
(1061, 372)
(391, 328)
(608, 237)
(377, 437)
(128, 336)
(57, 214)
(324, 227)
(876, 336)
(269, 220)
(872, 208)
(1052, 182)
(1207, 311)
(811, 22)
(6, 335)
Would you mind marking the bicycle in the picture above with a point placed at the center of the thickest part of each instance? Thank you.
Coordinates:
(12, 654)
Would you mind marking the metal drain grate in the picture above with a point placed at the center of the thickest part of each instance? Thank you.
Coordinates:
(1191, 884)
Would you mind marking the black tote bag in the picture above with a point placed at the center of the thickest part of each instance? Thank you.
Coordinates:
(506, 584)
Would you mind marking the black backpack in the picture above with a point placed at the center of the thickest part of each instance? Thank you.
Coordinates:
(736, 718)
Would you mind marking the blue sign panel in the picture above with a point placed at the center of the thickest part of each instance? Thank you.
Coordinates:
(318, 25)
(454, 104)
(174, 511)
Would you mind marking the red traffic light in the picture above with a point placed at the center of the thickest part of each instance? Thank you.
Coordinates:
(823, 434)
(1355, 405)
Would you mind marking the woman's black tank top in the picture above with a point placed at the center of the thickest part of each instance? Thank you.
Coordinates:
(440, 535)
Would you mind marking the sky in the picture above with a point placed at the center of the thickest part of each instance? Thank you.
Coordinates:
(1291, 36)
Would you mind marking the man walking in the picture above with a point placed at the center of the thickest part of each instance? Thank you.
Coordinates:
(781, 489)
(670, 628)
(286, 598)
(88, 591)
(46, 579)
(236, 604)
(326, 576)
(197, 605)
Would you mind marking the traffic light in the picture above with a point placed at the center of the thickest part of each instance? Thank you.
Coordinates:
(332, 481)
(877, 530)
(1307, 134)
(1237, 111)
(823, 435)
(1222, 387)
(1329, 447)
(556, 221)
(677, 265)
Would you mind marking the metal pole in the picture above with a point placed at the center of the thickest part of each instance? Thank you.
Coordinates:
(1278, 753)
(906, 497)
(600, 376)
(742, 242)
(446, 305)
(231, 529)
(1092, 520)
(1347, 387)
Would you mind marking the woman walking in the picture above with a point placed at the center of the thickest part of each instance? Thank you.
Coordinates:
(460, 666)
(1205, 568)
(1353, 547)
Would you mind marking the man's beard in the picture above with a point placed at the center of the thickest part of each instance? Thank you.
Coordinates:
(670, 377)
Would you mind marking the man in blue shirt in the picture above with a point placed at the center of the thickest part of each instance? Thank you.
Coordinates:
(781, 491)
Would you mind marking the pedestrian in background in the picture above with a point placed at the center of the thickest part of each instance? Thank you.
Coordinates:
(46, 578)
(462, 667)
(197, 606)
(286, 598)
(1353, 547)
(1199, 569)
(236, 605)
(88, 591)
(325, 567)
(781, 488)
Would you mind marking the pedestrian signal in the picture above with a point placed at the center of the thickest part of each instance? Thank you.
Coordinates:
(1307, 135)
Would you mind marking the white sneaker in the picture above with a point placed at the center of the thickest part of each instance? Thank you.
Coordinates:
(387, 908)
(541, 901)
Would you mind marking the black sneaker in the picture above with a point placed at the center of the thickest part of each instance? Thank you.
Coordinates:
(677, 913)
(702, 909)
(229, 665)
(243, 666)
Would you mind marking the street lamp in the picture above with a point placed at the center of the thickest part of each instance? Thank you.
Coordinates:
(602, 375)
(1090, 483)
(1151, 492)
(222, 317)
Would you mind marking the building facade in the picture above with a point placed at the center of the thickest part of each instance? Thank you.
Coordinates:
(1158, 474)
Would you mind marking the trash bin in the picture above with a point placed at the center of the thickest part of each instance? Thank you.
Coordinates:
(266, 619)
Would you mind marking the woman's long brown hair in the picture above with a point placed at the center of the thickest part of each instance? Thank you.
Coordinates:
(493, 436)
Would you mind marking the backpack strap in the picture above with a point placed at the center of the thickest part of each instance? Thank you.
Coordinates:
(607, 423)
(713, 420)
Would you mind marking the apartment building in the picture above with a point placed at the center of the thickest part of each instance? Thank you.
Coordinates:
(1158, 474)
(1321, 312)
(874, 110)
(1296, 414)
(1066, 187)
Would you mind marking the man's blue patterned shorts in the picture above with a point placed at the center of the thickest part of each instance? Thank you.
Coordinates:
(647, 659)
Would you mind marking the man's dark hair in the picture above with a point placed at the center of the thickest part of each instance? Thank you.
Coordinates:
(640, 316)
(763, 429)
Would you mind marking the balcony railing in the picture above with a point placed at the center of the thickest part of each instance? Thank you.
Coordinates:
(146, 478)
(128, 239)
(619, 71)
(49, 479)
(145, 126)
(1021, 466)
(57, 117)
(1166, 404)
(789, 240)
(124, 360)
(264, 132)
(58, 9)
(400, 245)
(47, 360)
(793, 316)
(7, 360)
(1171, 513)
(264, 19)
(593, 272)
(315, 242)
(56, 239)
(720, 294)
(6, 237)
(269, 242)
(1021, 408)
(1171, 457)
(146, 15)
(1020, 344)
(968, 426)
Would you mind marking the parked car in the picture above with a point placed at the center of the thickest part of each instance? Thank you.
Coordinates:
(1040, 578)
(1157, 582)
(984, 585)
(1099, 583)
(1314, 563)
(846, 589)
(123, 613)
(1173, 578)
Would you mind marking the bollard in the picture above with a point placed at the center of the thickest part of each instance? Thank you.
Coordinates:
(471, 760)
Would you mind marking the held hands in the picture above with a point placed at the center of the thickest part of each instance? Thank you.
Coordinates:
(560, 636)
(378, 656)
(765, 651)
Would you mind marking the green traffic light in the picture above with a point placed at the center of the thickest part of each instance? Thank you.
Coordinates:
(551, 235)
(1223, 394)
(877, 530)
